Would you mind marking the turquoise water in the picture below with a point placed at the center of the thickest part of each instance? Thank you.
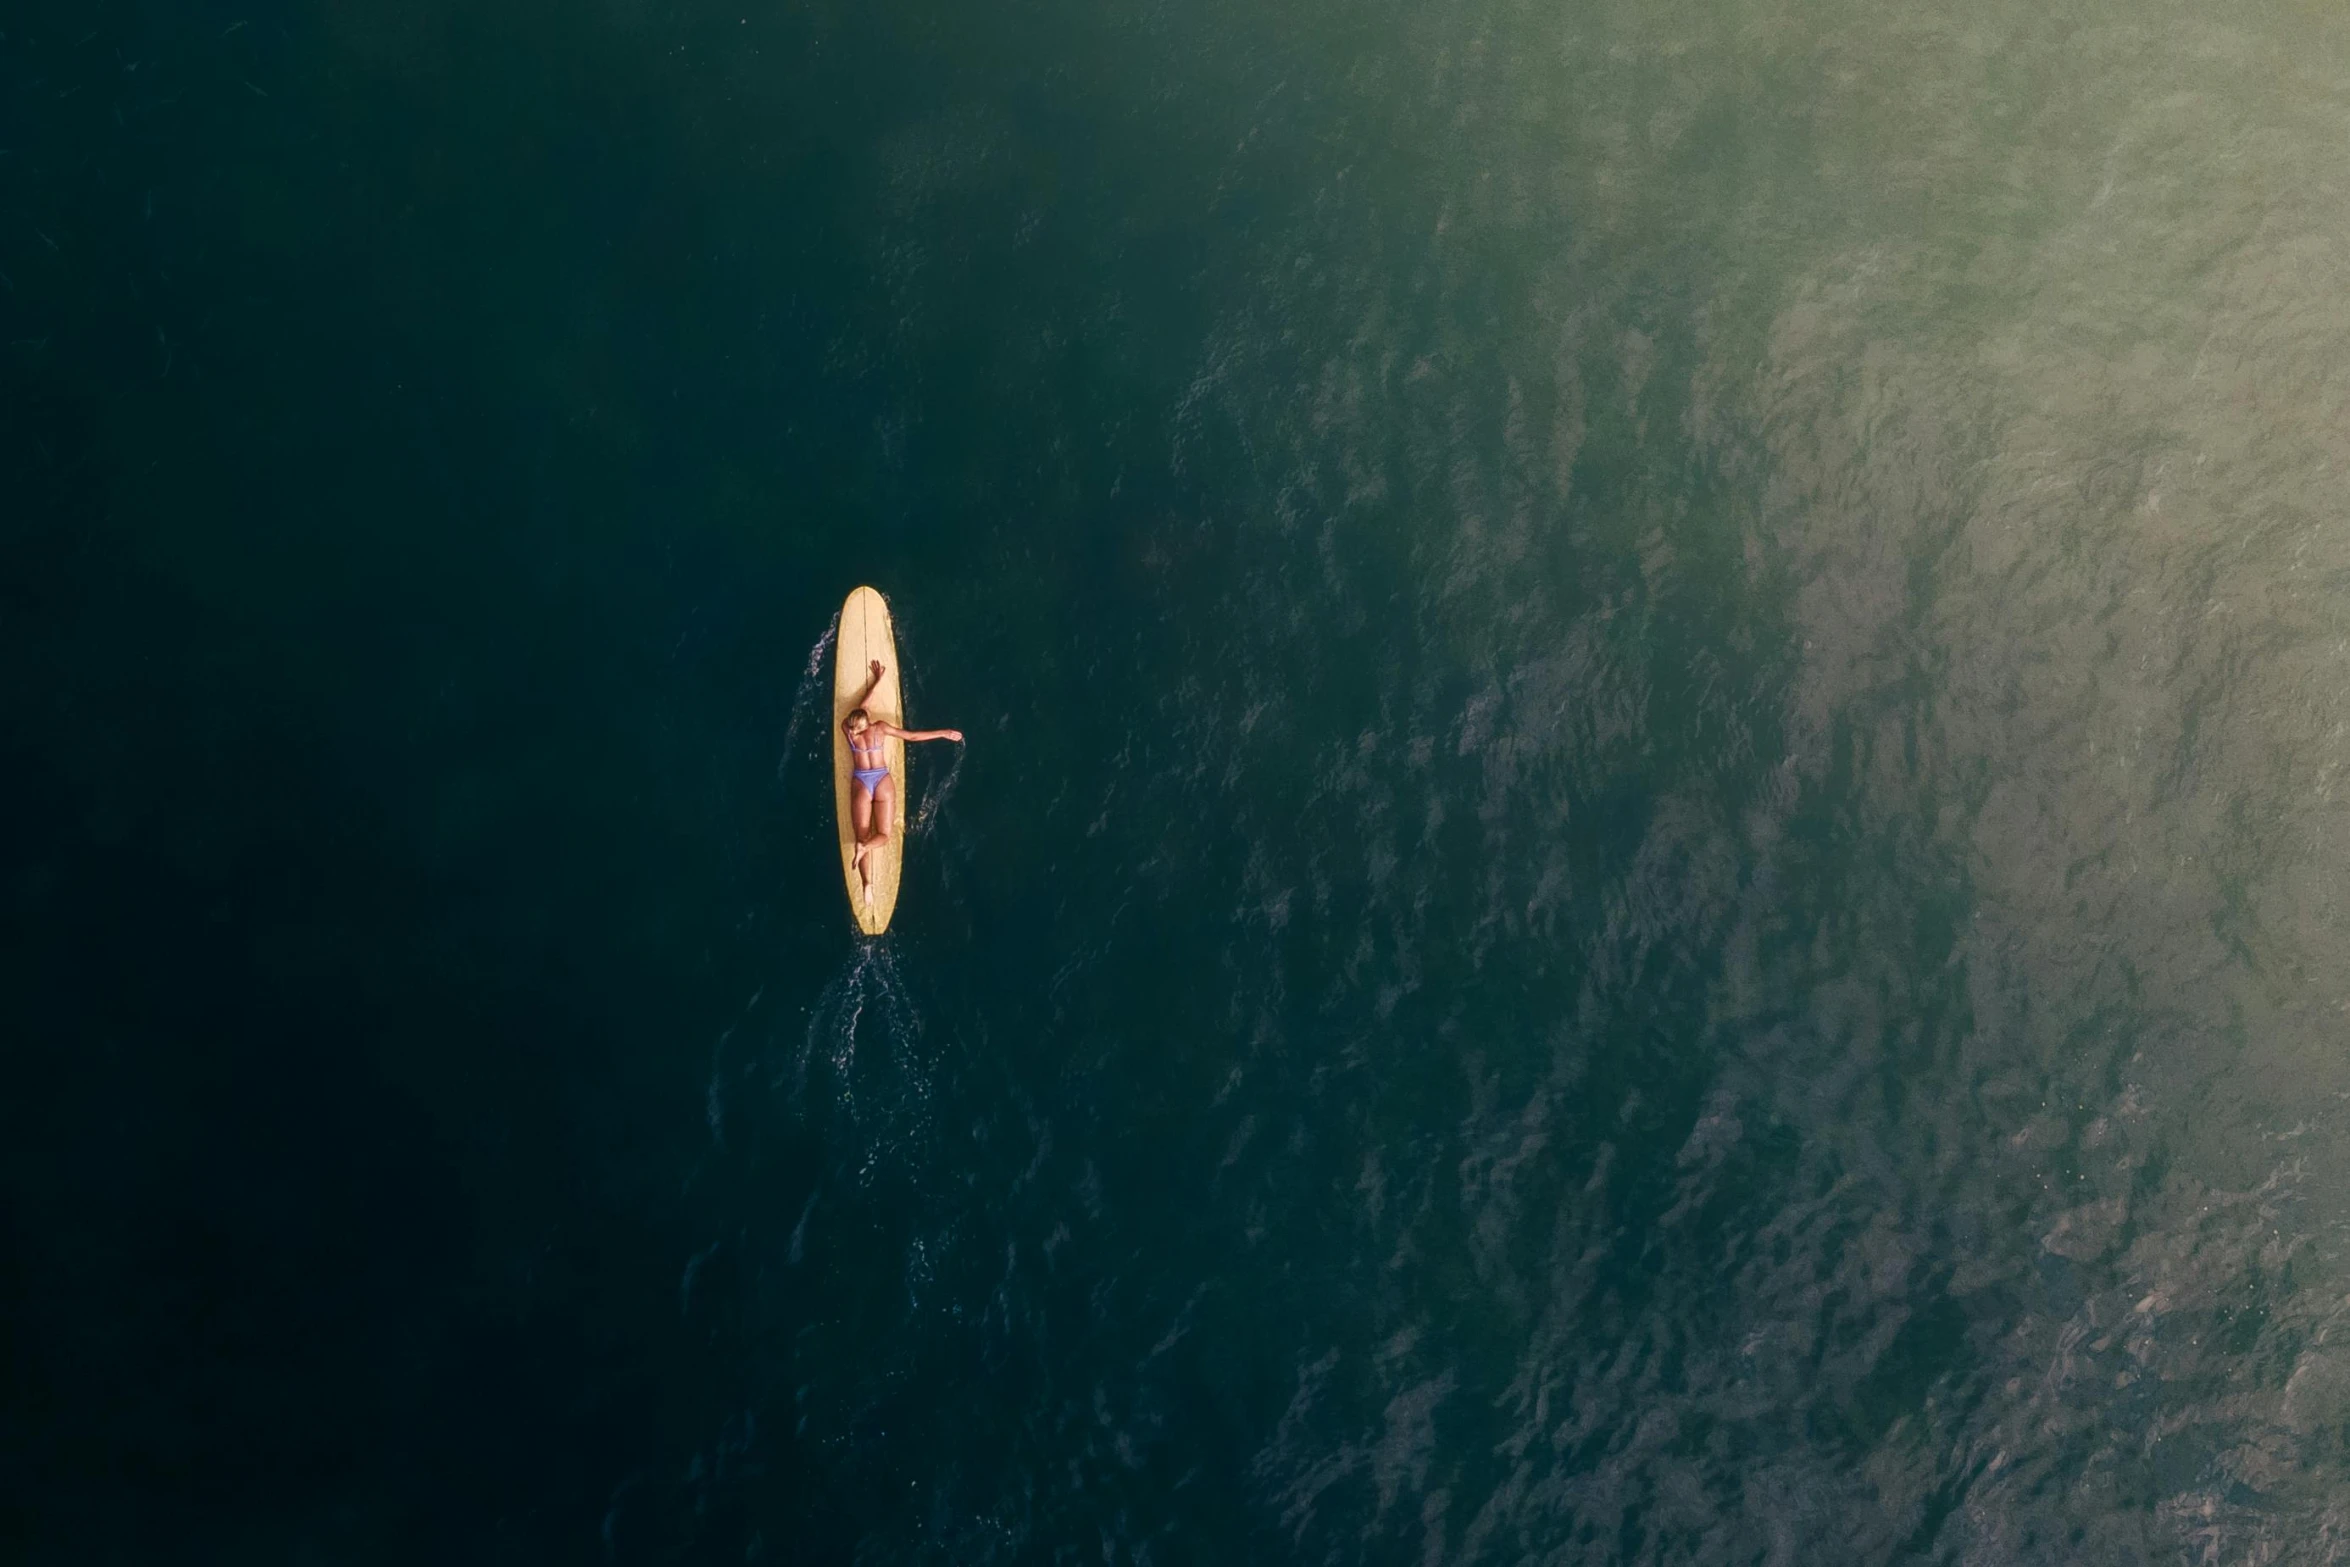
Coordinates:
(1648, 869)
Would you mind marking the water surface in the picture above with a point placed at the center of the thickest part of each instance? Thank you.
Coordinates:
(1649, 869)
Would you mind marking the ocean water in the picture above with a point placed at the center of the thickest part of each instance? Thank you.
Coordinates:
(1650, 862)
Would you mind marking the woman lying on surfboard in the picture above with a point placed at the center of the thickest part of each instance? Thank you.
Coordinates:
(876, 793)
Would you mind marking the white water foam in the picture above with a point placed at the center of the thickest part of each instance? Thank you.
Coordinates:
(934, 799)
(865, 1034)
(804, 700)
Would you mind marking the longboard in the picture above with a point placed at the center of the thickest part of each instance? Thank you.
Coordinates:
(864, 636)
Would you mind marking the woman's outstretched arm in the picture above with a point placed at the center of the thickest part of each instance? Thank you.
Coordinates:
(872, 683)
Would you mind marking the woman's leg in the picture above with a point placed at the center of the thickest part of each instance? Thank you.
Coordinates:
(874, 813)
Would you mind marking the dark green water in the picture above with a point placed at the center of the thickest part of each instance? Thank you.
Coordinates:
(1650, 865)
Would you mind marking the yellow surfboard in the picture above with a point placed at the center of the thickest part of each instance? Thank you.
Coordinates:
(865, 635)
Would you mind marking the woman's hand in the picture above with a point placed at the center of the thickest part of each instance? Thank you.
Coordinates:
(955, 735)
(878, 670)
